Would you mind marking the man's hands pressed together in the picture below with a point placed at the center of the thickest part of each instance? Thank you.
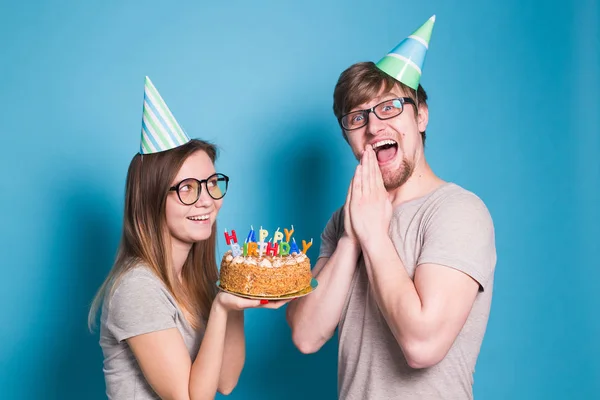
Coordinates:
(370, 209)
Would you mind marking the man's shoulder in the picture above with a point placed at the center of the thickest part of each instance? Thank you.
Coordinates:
(337, 216)
(332, 231)
(453, 194)
(453, 202)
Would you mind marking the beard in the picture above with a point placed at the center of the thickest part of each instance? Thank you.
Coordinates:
(396, 178)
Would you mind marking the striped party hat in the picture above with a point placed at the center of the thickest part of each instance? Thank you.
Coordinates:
(405, 61)
(160, 130)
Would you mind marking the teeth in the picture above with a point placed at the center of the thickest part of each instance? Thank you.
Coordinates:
(382, 143)
(199, 218)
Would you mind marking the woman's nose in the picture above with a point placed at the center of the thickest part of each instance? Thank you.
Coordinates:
(204, 200)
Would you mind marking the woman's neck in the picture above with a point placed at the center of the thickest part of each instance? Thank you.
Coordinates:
(179, 253)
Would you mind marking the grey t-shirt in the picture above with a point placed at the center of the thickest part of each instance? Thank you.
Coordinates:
(139, 304)
(451, 227)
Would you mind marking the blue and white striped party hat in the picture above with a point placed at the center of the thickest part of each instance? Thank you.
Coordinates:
(405, 61)
(160, 130)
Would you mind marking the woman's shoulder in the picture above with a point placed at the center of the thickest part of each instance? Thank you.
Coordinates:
(138, 284)
(137, 275)
(139, 271)
(137, 303)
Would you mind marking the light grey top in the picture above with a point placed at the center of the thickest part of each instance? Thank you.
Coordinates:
(451, 227)
(139, 304)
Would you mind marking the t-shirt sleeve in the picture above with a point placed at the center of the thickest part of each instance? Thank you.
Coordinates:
(459, 234)
(139, 305)
(332, 233)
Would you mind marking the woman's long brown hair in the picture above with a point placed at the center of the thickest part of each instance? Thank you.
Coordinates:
(146, 240)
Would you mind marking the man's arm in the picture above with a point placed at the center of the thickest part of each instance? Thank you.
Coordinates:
(426, 315)
(313, 318)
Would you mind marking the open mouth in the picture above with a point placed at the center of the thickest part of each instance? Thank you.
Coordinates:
(199, 217)
(385, 150)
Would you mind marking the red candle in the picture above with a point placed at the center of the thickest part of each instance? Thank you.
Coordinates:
(271, 249)
(230, 238)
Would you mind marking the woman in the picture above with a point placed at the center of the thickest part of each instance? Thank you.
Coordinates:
(166, 331)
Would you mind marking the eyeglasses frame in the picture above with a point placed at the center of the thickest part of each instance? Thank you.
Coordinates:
(403, 100)
(220, 177)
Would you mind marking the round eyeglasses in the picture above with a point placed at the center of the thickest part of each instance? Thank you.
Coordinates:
(385, 110)
(188, 190)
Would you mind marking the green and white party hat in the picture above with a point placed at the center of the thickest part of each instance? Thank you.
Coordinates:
(405, 61)
(160, 130)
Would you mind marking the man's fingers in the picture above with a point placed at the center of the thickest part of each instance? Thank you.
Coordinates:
(357, 181)
(366, 174)
(372, 169)
(375, 172)
(349, 194)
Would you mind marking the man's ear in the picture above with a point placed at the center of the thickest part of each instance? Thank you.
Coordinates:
(423, 118)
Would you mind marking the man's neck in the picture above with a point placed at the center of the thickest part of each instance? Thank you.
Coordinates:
(421, 182)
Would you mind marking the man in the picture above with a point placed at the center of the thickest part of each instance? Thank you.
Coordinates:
(406, 266)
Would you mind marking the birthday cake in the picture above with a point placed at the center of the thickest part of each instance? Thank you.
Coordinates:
(258, 268)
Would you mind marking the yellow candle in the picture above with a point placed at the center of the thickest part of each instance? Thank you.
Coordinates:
(288, 234)
(252, 249)
(306, 246)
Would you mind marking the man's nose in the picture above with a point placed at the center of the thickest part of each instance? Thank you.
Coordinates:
(375, 126)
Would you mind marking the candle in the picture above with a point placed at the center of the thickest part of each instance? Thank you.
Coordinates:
(251, 235)
(245, 249)
(236, 250)
(252, 249)
(294, 247)
(271, 249)
(306, 246)
(277, 236)
(288, 233)
(230, 238)
(263, 233)
(284, 248)
(261, 248)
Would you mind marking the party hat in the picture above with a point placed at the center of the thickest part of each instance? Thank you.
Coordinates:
(405, 61)
(160, 130)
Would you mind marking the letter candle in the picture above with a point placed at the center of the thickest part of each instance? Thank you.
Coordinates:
(262, 234)
(277, 236)
(271, 249)
(288, 234)
(251, 235)
(294, 247)
(284, 249)
(306, 246)
(232, 240)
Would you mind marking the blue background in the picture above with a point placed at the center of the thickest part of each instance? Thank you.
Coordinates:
(513, 117)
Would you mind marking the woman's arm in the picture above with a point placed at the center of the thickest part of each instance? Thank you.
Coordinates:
(206, 370)
(234, 352)
(166, 364)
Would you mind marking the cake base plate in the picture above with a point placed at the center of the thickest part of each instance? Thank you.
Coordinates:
(303, 292)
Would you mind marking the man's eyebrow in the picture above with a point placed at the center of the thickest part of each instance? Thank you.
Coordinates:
(379, 99)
